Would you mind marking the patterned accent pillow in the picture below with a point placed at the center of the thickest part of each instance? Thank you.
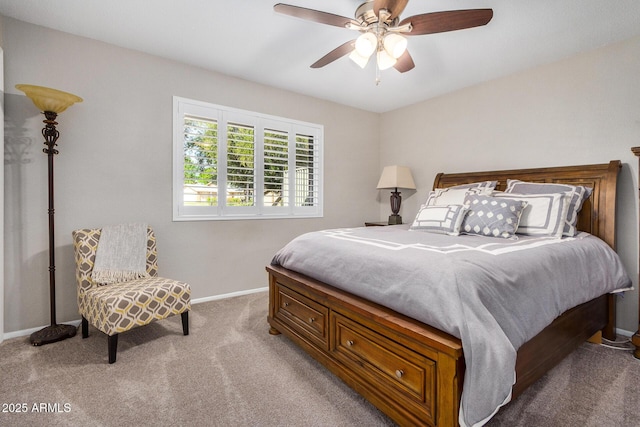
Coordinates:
(578, 193)
(455, 195)
(440, 219)
(490, 216)
(545, 214)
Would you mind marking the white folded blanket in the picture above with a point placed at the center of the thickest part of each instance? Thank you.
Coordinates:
(121, 254)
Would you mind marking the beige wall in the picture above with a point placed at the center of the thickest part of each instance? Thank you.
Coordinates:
(585, 109)
(115, 166)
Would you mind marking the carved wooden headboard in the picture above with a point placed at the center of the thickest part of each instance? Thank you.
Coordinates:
(598, 214)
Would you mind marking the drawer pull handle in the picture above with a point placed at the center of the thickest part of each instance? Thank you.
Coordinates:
(399, 373)
(350, 343)
(286, 304)
(312, 319)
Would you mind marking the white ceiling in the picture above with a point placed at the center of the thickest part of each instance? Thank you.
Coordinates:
(247, 39)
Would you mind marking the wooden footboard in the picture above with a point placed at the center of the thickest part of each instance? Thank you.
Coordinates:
(410, 371)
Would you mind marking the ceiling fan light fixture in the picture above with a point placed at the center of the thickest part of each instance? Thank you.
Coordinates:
(385, 60)
(383, 32)
(359, 59)
(366, 44)
(394, 44)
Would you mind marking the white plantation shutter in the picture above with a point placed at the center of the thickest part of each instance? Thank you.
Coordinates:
(276, 168)
(307, 189)
(241, 173)
(231, 164)
(200, 147)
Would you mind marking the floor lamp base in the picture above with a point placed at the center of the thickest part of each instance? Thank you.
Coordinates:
(53, 333)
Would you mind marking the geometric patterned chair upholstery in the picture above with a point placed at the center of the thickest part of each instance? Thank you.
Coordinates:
(119, 307)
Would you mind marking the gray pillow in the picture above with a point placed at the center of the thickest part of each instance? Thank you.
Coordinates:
(440, 219)
(491, 216)
(578, 193)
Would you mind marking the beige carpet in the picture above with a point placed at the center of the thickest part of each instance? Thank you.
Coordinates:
(231, 372)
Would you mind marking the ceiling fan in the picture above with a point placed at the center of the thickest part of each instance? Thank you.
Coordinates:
(382, 31)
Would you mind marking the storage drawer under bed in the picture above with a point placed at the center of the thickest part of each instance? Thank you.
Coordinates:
(391, 368)
(306, 317)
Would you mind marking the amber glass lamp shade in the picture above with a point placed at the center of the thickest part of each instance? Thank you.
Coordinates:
(47, 99)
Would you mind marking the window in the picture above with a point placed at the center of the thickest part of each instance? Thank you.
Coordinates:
(234, 164)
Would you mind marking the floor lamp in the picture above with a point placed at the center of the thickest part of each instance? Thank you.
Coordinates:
(51, 102)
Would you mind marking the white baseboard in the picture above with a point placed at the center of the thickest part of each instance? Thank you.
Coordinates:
(25, 332)
(230, 295)
(624, 333)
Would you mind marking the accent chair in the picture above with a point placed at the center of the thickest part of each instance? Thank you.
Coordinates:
(119, 307)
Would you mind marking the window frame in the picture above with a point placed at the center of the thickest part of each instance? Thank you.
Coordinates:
(261, 123)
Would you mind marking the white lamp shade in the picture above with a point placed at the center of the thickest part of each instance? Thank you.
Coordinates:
(395, 44)
(385, 60)
(359, 59)
(366, 44)
(396, 177)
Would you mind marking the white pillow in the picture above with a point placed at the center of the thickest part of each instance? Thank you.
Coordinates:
(578, 193)
(544, 215)
(440, 219)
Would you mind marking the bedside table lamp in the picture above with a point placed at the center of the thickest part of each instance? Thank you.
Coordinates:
(396, 177)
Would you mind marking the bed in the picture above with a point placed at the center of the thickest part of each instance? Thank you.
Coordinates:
(411, 370)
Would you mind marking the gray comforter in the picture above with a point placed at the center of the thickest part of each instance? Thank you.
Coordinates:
(492, 293)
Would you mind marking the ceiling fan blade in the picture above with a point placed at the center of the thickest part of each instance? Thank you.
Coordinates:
(451, 20)
(313, 15)
(336, 53)
(404, 63)
(395, 7)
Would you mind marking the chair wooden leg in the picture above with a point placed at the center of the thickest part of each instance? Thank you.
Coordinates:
(112, 344)
(85, 328)
(185, 322)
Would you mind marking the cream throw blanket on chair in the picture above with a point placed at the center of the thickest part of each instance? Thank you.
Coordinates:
(122, 254)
